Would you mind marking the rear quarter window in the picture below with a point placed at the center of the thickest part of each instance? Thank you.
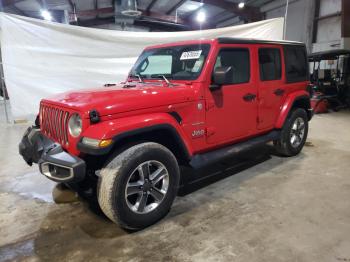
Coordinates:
(296, 64)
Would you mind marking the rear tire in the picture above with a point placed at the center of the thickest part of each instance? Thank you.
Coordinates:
(128, 191)
(293, 134)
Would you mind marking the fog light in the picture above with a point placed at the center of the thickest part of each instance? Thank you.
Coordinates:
(96, 143)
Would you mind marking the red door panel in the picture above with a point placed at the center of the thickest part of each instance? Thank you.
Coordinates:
(272, 87)
(232, 110)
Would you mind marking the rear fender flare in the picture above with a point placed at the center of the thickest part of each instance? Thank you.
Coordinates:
(288, 105)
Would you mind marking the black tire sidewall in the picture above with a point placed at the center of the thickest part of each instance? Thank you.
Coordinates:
(287, 129)
(127, 217)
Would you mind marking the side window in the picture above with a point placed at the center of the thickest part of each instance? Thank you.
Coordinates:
(238, 59)
(270, 64)
(296, 64)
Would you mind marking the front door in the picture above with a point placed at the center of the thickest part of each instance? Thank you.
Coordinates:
(271, 85)
(232, 109)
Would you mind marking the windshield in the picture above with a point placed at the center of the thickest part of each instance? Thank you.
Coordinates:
(176, 62)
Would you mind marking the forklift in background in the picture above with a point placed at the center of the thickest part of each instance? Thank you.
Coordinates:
(330, 78)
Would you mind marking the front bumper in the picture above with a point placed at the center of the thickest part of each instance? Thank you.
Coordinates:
(53, 161)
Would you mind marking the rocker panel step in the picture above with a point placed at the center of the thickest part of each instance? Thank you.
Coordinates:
(201, 160)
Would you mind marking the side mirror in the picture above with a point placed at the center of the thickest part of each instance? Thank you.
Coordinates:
(222, 76)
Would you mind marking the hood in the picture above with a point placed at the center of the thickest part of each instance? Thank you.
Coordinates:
(116, 99)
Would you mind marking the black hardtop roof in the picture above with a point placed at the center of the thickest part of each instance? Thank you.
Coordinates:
(328, 55)
(233, 40)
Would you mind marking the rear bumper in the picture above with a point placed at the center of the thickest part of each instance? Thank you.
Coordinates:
(53, 161)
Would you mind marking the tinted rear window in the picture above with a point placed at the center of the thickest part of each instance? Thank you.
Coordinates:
(296, 64)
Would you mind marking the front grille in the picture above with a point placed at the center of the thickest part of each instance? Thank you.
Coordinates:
(54, 122)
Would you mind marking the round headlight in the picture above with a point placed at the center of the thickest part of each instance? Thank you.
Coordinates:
(75, 125)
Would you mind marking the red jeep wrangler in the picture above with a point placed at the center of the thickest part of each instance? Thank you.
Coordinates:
(188, 103)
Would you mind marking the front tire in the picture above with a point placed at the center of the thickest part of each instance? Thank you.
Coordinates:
(293, 134)
(138, 186)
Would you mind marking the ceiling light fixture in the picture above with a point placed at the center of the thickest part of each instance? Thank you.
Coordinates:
(200, 17)
(46, 15)
(241, 5)
(129, 8)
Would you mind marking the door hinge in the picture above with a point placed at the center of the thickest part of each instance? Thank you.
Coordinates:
(210, 131)
(209, 105)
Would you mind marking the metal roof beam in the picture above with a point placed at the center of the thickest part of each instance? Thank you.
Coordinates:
(110, 10)
(149, 7)
(219, 15)
(9, 2)
(176, 6)
(248, 12)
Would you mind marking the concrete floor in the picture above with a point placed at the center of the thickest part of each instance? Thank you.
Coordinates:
(283, 209)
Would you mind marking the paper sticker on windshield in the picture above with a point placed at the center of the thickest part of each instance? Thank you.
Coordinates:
(191, 55)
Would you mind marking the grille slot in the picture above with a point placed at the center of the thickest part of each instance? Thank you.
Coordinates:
(54, 122)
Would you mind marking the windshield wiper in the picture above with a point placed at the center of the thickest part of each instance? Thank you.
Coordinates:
(165, 79)
(138, 76)
(128, 85)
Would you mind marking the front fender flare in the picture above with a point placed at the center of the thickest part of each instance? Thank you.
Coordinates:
(288, 104)
(120, 128)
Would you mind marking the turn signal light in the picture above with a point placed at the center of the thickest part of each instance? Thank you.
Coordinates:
(105, 142)
(96, 143)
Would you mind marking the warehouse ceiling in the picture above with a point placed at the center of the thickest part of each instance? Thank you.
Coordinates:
(175, 14)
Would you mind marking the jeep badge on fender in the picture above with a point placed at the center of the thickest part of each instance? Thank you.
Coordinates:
(197, 133)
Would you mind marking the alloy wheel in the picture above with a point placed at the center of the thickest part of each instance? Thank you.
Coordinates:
(146, 187)
(297, 132)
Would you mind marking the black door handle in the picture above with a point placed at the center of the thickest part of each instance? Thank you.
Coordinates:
(249, 97)
(279, 92)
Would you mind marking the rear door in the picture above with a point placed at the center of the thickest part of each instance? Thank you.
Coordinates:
(271, 84)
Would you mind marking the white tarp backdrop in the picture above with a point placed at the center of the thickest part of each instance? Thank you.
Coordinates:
(42, 58)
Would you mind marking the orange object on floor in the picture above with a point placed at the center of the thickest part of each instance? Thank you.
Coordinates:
(319, 104)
